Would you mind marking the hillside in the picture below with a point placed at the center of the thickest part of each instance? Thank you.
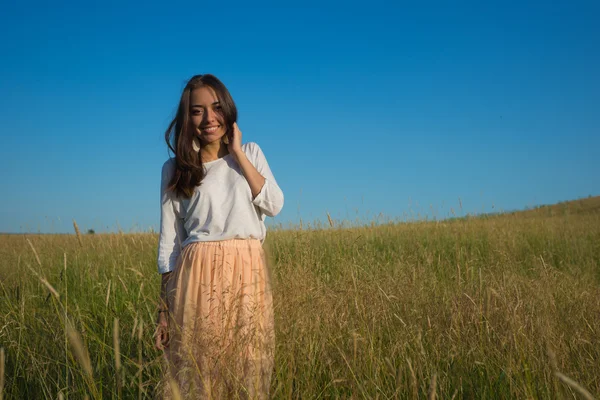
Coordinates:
(587, 205)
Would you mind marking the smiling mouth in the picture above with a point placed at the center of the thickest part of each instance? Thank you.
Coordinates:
(210, 129)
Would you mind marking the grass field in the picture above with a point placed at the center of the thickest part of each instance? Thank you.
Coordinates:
(496, 307)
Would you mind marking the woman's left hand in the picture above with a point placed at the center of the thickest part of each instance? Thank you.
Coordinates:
(235, 142)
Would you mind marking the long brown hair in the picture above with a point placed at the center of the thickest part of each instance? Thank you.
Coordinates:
(189, 171)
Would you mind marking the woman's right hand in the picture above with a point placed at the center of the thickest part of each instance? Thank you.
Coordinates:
(161, 335)
(162, 331)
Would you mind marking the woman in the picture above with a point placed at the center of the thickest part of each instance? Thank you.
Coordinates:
(215, 321)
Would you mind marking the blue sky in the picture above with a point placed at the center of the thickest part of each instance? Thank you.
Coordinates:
(361, 108)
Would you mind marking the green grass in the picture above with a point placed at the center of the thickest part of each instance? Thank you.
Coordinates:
(486, 307)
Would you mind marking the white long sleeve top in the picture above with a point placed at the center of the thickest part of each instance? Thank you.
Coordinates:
(221, 208)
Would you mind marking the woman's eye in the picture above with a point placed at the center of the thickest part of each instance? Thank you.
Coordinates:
(197, 112)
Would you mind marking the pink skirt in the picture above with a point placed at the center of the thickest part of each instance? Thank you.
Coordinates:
(221, 324)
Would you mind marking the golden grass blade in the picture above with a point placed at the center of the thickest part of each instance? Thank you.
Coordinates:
(175, 393)
(414, 384)
(123, 283)
(135, 322)
(44, 282)
(140, 291)
(117, 349)
(574, 385)
(81, 353)
(50, 287)
(107, 293)
(37, 258)
(432, 387)
(77, 233)
(116, 345)
(135, 271)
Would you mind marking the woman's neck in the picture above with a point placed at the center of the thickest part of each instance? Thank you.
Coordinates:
(213, 151)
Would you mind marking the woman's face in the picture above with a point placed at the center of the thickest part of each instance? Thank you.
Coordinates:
(206, 114)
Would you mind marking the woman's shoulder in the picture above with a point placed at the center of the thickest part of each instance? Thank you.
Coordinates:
(249, 146)
(252, 150)
(170, 163)
(168, 167)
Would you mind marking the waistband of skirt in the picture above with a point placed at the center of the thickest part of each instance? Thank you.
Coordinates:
(236, 243)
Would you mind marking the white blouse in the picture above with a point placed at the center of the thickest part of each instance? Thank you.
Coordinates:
(221, 208)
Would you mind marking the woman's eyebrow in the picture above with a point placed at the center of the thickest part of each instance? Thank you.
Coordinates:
(216, 103)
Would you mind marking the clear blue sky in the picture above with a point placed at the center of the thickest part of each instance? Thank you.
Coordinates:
(361, 108)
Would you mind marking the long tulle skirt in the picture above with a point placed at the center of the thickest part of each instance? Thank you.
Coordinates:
(221, 324)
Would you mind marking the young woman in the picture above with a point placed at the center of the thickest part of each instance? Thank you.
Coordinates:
(215, 320)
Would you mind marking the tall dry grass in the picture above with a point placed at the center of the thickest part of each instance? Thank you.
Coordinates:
(494, 307)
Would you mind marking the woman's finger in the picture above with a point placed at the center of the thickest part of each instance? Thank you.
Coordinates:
(161, 337)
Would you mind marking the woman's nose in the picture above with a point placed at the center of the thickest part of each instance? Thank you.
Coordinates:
(209, 115)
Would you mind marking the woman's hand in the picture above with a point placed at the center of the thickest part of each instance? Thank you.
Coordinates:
(235, 142)
(161, 334)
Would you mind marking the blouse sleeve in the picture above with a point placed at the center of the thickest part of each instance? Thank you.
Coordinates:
(172, 231)
(270, 198)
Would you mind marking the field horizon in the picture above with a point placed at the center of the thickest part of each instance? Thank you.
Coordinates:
(326, 222)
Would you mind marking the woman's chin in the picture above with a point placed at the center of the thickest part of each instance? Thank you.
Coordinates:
(210, 138)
